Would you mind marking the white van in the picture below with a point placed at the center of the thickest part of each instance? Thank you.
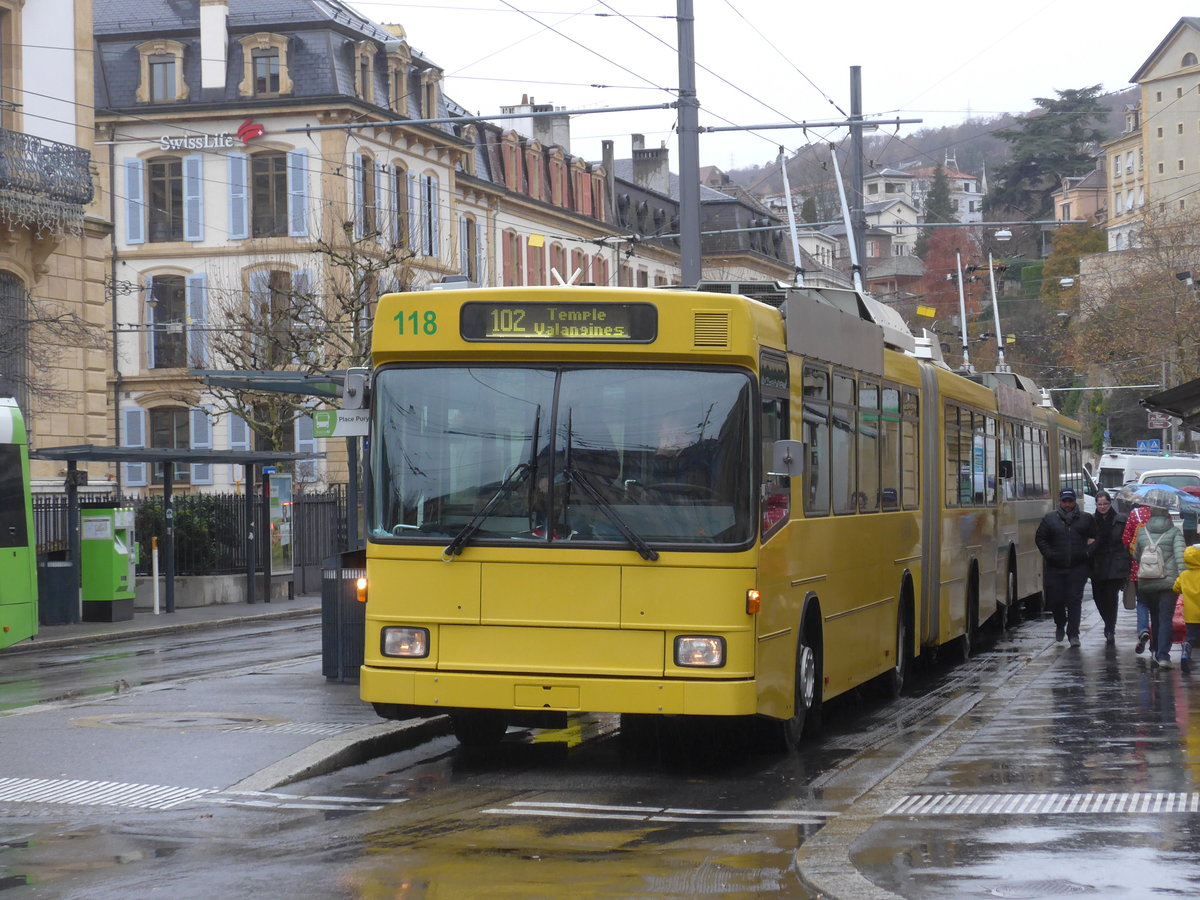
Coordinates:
(1117, 468)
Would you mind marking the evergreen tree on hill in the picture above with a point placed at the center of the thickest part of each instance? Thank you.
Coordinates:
(1058, 139)
(938, 207)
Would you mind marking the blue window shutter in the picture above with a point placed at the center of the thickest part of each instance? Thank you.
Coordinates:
(150, 320)
(201, 439)
(134, 435)
(380, 218)
(464, 259)
(239, 196)
(308, 314)
(193, 197)
(306, 469)
(480, 277)
(239, 439)
(197, 325)
(260, 308)
(434, 212)
(414, 213)
(297, 174)
(135, 204)
(359, 200)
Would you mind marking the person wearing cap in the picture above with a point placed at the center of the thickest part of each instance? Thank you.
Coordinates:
(1065, 537)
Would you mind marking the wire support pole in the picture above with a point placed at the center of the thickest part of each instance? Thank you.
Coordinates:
(690, 265)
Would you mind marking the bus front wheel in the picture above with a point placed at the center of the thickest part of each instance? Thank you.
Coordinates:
(785, 735)
(478, 727)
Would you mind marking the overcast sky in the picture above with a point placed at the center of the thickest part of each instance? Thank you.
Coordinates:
(772, 61)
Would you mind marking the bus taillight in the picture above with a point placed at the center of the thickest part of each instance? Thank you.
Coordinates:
(775, 509)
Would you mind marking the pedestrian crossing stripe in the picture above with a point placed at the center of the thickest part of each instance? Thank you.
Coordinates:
(1148, 802)
(79, 792)
(662, 814)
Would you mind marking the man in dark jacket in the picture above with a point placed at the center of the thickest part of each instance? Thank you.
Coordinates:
(1065, 538)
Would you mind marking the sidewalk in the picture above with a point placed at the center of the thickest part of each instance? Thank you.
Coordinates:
(145, 622)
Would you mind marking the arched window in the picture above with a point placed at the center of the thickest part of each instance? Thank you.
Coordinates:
(1189, 59)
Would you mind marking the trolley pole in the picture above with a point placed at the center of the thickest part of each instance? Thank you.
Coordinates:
(858, 216)
(689, 149)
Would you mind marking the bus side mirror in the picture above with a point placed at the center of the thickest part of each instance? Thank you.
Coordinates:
(1006, 468)
(354, 388)
(787, 458)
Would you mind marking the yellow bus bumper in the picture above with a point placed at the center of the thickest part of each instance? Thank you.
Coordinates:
(451, 690)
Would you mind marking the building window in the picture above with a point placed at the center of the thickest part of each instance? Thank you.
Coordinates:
(1160, 168)
(514, 273)
(1158, 99)
(269, 194)
(430, 216)
(162, 79)
(1129, 161)
(266, 71)
(1158, 132)
(264, 65)
(1117, 165)
(161, 76)
(1189, 59)
(1179, 128)
(14, 337)
(170, 429)
(536, 263)
(469, 252)
(166, 199)
(166, 314)
(431, 89)
(1181, 165)
(872, 188)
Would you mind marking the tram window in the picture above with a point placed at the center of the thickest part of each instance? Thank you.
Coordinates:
(842, 447)
(776, 489)
(910, 451)
(13, 532)
(816, 440)
(889, 450)
(989, 461)
(868, 447)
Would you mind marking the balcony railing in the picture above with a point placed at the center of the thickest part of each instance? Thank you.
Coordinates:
(47, 168)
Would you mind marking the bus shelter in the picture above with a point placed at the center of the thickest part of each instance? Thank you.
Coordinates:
(1183, 401)
(253, 460)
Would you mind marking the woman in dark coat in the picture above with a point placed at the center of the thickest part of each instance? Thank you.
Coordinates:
(1110, 563)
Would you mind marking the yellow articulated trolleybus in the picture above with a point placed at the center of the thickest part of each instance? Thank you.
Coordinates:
(682, 503)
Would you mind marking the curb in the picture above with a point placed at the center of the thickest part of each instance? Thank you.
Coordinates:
(335, 753)
(36, 643)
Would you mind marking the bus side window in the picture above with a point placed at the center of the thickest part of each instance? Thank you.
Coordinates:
(889, 452)
(816, 439)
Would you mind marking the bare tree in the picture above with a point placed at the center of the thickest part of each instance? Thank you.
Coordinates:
(33, 334)
(313, 322)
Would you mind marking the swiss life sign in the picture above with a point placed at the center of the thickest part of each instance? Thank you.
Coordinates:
(328, 423)
(246, 132)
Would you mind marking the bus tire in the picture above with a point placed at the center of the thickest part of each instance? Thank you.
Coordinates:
(478, 727)
(964, 643)
(1012, 603)
(892, 681)
(786, 735)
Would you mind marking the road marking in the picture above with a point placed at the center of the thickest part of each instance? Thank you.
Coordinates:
(299, 728)
(1046, 804)
(95, 793)
(156, 796)
(663, 814)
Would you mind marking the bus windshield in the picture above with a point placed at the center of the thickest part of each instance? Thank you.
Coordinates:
(608, 456)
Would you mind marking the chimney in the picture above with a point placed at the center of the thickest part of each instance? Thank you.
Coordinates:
(651, 168)
(552, 131)
(214, 43)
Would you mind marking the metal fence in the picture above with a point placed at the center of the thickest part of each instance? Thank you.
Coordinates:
(210, 529)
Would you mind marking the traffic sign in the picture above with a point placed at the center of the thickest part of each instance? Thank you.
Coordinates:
(1153, 446)
(329, 423)
(1156, 420)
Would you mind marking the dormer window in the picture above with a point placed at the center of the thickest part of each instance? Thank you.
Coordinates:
(398, 63)
(364, 71)
(161, 78)
(266, 71)
(264, 66)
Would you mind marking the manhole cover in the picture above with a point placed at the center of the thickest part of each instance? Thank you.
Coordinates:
(178, 721)
(1033, 890)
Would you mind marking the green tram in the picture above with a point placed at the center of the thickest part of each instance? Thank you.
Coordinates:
(18, 564)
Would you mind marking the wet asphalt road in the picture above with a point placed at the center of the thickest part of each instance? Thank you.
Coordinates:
(1030, 771)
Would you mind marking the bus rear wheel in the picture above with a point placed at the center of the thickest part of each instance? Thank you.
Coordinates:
(478, 727)
(892, 681)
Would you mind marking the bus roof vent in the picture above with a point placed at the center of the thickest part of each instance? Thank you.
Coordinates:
(710, 329)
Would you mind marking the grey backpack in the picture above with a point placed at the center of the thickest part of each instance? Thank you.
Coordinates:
(1151, 563)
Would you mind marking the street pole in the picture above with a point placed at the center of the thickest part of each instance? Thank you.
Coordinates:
(858, 215)
(689, 149)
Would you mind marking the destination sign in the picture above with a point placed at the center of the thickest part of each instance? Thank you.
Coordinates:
(565, 323)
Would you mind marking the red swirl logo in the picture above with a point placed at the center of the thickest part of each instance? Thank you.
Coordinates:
(249, 130)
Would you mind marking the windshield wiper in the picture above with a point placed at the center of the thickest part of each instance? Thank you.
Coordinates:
(645, 551)
(522, 471)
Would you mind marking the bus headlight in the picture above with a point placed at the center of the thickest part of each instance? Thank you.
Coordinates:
(699, 650)
(410, 643)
